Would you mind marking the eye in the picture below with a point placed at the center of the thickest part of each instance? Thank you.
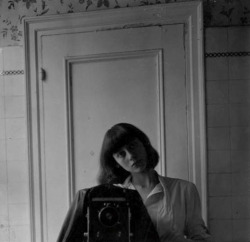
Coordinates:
(121, 154)
(132, 145)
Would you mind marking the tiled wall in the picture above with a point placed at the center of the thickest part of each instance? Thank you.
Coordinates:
(14, 181)
(228, 126)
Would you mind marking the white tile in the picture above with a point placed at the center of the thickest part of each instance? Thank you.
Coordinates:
(4, 220)
(217, 115)
(240, 138)
(221, 230)
(18, 192)
(240, 161)
(16, 128)
(4, 234)
(14, 85)
(19, 214)
(4, 212)
(13, 58)
(1, 59)
(218, 138)
(3, 195)
(18, 171)
(216, 40)
(20, 233)
(219, 185)
(15, 107)
(239, 39)
(3, 172)
(217, 92)
(17, 149)
(220, 208)
(241, 231)
(2, 128)
(2, 150)
(216, 69)
(241, 207)
(2, 107)
(239, 68)
(241, 184)
(239, 91)
(219, 161)
(1, 77)
(1, 85)
(239, 115)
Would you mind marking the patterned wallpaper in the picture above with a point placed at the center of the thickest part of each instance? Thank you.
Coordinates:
(216, 12)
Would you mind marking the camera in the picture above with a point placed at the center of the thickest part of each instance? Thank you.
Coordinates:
(116, 214)
(108, 215)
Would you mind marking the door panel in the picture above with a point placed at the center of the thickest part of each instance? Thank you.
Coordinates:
(122, 87)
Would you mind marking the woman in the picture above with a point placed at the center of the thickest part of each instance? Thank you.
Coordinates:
(127, 161)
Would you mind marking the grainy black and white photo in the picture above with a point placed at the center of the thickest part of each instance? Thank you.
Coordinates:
(125, 121)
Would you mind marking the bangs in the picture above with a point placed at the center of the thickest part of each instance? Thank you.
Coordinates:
(117, 139)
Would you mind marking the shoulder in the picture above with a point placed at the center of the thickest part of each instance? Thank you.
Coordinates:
(176, 183)
(80, 196)
(81, 192)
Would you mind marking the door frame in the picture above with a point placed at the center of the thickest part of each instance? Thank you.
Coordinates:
(187, 13)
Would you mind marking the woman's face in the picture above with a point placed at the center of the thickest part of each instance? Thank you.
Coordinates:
(132, 157)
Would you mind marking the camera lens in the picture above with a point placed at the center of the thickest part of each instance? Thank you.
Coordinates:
(108, 216)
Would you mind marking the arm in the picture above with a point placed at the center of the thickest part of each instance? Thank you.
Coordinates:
(75, 222)
(195, 229)
(195, 226)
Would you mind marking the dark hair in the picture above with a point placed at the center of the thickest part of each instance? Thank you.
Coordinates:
(115, 138)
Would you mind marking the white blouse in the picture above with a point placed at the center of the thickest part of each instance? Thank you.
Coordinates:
(175, 210)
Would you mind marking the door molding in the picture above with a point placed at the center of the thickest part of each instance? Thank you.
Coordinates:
(69, 61)
(187, 13)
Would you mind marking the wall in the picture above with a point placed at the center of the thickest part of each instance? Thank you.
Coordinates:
(228, 129)
(14, 185)
(227, 99)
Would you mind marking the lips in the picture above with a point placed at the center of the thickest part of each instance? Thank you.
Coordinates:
(137, 163)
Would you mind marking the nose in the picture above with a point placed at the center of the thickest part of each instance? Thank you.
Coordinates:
(130, 156)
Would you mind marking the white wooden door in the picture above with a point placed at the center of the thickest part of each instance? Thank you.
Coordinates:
(114, 76)
(92, 79)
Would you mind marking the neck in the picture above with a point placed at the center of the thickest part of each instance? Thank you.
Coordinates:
(145, 179)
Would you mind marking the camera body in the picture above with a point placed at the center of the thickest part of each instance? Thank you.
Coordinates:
(108, 216)
(109, 220)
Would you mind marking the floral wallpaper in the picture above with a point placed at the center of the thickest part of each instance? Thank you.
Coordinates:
(216, 12)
